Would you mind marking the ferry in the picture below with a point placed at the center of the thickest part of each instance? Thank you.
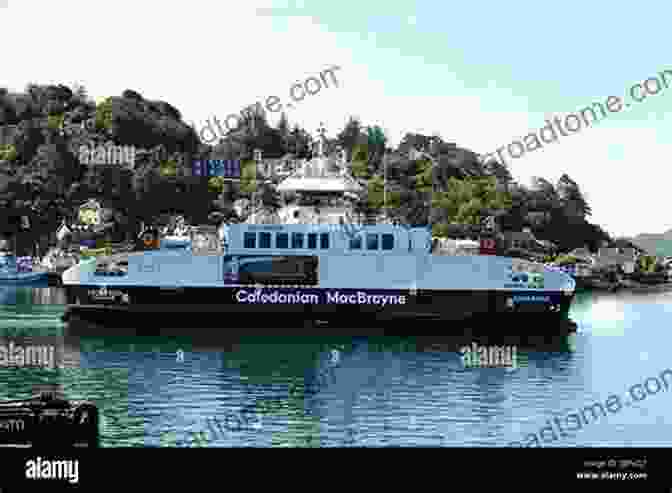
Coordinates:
(315, 272)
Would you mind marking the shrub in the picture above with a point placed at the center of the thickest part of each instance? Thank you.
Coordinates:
(441, 230)
(566, 260)
(8, 153)
(168, 168)
(216, 183)
(248, 172)
(55, 122)
(104, 115)
(360, 169)
(646, 263)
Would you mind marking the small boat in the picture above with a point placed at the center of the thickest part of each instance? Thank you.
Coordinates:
(55, 263)
(20, 270)
(48, 419)
(178, 239)
(178, 236)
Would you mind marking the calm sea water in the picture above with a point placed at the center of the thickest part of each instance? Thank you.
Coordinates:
(354, 391)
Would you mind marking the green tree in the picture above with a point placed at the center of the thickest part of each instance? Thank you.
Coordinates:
(571, 198)
(168, 168)
(376, 142)
(8, 152)
(469, 201)
(499, 170)
(360, 162)
(216, 183)
(284, 132)
(55, 122)
(104, 115)
(270, 198)
(248, 177)
(350, 136)
(80, 94)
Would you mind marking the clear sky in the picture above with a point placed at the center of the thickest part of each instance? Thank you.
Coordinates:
(480, 74)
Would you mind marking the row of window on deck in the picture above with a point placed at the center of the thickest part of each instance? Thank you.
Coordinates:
(373, 241)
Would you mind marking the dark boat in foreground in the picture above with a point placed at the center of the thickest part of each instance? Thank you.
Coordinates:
(46, 420)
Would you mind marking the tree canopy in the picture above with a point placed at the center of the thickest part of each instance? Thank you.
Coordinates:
(424, 180)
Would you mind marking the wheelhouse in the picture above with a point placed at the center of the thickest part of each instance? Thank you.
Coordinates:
(325, 240)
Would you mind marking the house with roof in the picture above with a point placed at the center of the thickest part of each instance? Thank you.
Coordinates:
(8, 134)
(525, 240)
(538, 218)
(625, 258)
(582, 254)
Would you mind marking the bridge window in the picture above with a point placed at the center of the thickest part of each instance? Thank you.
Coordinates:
(250, 240)
(282, 240)
(297, 240)
(264, 240)
(312, 240)
(324, 240)
(388, 241)
(371, 241)
(356, 243)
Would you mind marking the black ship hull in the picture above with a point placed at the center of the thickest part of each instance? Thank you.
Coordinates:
(504, 310)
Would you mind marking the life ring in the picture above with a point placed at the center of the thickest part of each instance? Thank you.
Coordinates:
(488, 244)
(148, 240)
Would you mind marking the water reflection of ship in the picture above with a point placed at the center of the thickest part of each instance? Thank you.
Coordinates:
(8, 295)
(48, 296)
(22, 295)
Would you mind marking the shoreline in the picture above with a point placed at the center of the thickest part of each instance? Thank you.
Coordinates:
(628, 286)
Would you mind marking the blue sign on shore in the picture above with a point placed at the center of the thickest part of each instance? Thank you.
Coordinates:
(227, 168)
